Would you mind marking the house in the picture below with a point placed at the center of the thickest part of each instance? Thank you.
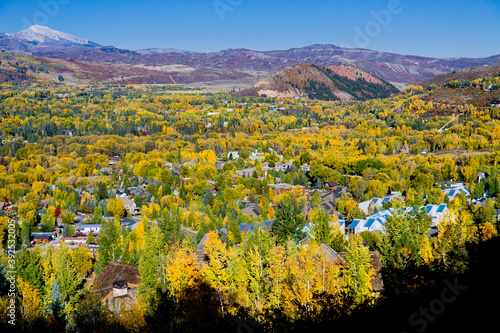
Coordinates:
(43, 237)
(88, 228)
(377, 221)
(281, 167)
(252, 211)
(11, 210)
(130, 206)
(129, 223)
(337, 193)
(3, 205)
(106, 171)
(245, 172)
(255, 156)
(75, 241)
(117, 285)
(332, 256)
(176, 172)
(437, 213)
(481, 176)
(135, 191)
(305, 167)
(328, 201)
(368, 206)
(233, 155)
(280, 188)
(91, 190)
(152, 181)
(331, 185)
(455, 189)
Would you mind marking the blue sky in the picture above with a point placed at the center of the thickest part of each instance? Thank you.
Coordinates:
(449, 28)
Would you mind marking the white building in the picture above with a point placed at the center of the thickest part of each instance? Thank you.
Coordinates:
(437, 213)
(233, 155)
(88, 228)
(376, 222)
(455, 189)
(369, 205)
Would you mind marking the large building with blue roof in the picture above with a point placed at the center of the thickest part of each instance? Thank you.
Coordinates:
(377, 221)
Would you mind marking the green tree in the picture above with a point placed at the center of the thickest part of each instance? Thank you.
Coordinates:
(234, 233)
(208, 197)
(359, 272)
(91, 314)
(65, 274)
(68, 231)
(29, 267)
(289, 221)
(403, 250)
(150, 263)
(109, 243)
(321, 229)
(90, 238)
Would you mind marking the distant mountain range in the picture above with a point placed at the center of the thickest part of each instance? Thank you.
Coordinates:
(395, 68)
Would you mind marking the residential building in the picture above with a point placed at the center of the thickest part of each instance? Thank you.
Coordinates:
(131, 206)
(233, 155)
(88, 228)
(369, 206)
(455, 189)
(117, 285)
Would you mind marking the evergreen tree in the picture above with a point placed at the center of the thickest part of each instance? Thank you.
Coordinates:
(102, 192)
(289, 221)
(201, 233)
(170, 225)
(208, 196)
(68, 231)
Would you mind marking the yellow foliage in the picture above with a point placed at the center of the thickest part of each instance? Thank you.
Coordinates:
(181, 272)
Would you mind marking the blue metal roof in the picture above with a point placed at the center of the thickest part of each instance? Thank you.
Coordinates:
(354, 224)
(369, 223)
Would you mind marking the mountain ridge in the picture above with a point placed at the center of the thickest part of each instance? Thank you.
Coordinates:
(391, 67)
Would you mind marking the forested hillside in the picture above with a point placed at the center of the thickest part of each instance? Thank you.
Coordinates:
(331, 83)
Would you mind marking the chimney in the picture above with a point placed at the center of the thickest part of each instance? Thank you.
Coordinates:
(120, 288)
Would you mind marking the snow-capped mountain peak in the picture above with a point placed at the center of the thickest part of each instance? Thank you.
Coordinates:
(44, 35)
